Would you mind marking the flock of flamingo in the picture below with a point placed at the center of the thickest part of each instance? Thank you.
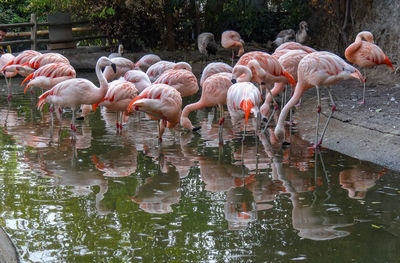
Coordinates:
(156, 87)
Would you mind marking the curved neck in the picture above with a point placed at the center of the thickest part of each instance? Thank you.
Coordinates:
(102, 80)
(185, 122)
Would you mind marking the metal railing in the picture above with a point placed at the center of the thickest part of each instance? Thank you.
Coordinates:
(34, 32)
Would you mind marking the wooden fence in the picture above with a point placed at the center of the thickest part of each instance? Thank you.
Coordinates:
(34, 32)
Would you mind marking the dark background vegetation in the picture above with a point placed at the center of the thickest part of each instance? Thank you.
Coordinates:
(142, 25)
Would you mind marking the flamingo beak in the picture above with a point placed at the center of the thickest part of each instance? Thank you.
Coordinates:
(114, 67)
(233, 81)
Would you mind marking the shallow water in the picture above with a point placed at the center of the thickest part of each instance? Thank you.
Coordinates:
(123, 198)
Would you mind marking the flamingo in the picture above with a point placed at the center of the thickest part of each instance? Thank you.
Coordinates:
(139, 78)
(289, 62)
(266, 70)
(301, 35)
(231, 39)
(213, 68)
(366, 54)
(243, 99)
(22, 58)
(123, 65)
(44, 59)
(155, 70)
(119, 94)
(75, 92)
(214, 92)
(49, 75)
(119, 53)
(146, 61)
(315, 70)
(284, 36)
(206, 45)
(4, 60)
(160, 102)
(182, 80)
(285, 47)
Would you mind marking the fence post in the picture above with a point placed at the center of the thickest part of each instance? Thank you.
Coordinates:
(34, 32)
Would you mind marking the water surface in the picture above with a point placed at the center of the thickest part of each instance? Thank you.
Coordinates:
(120, 197)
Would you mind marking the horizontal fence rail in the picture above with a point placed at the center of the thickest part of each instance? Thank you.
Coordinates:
(34, 32)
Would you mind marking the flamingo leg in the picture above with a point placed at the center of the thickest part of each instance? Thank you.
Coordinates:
(233, 55)
(318, 115)
(73, 127)
(8, 83)
(221, 123)
(329, 117)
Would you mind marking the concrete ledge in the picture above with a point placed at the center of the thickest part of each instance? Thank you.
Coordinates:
(8, 252)
(350, 135)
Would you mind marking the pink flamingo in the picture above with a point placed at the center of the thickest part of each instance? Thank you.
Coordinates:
(315, 70)
(213, 68)
(213, 93)
(139, 78)
(49, 75)
(22, 58)
(289, 62)
(4, 60)
(44, 59)
(182, 80)
(146, 61)
(119, 94)
(155, 70)
(285, 47)
(75, 92)
(365, 54)
(231, 39)
(123, 65)
(243, 99)
(160, 102)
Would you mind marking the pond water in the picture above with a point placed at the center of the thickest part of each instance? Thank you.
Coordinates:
(120, 197)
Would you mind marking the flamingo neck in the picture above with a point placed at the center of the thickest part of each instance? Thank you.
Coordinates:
(185, 122)
(102, 80)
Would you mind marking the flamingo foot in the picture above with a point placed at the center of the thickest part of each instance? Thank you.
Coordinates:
(361, 102)
(9, 97)
(73, 127)
(221, 121)
(32, 91)
(159, 140)
(60, 110)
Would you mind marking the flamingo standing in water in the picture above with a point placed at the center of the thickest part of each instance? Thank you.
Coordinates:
(243, 99)
(146, 61)
(231, 39)
(139, 78)
(160, 102)
(155, 70)
(213, 68)
(123, 65)
(5, 59)
(289, 62)
(315, 70)
(119, 94)
(22, 58)
(182, 80)
(365, 54)
(75, 92)
(266, 70)
(213, 93)
(49, 75)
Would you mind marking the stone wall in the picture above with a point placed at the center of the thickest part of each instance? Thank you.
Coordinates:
(381, 17)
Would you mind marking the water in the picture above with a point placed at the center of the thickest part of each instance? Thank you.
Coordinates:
(112, 197)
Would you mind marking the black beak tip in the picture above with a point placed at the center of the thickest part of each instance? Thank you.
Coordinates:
(80, 118)
(196, 129)
(114, 67)
(233, 81)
